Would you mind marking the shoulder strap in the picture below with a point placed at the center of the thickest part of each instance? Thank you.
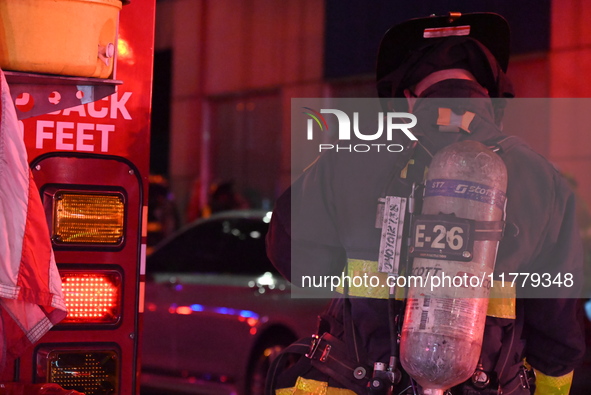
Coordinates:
(329, 356)
(504, 366)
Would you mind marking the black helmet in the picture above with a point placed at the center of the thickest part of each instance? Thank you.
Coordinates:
(477, 42)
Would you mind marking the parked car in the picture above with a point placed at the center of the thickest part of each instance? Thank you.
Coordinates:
(216, 310)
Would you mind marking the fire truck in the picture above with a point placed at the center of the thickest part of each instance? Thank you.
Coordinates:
(86, 125)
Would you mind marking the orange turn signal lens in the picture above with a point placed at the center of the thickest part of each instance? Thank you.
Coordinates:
(90, 371)
(88, 218)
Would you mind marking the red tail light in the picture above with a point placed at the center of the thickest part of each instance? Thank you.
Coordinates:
(92, 297)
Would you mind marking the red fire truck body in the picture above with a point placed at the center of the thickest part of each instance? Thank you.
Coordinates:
(91, 165)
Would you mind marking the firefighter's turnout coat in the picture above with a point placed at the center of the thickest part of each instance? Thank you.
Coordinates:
(325, 223)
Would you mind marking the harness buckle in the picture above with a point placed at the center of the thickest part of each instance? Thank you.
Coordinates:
(313, 346)
(527, 377)
(319, 346)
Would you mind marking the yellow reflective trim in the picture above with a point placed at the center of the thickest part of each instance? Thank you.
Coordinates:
(449, 121)
(467, 120)
(312, 387)
(404, 172)
(444, 117)
(363, 270)
(400, 293)
(501, 303)
(551, 385)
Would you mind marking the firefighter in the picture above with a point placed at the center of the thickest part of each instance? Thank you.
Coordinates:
(324, 224)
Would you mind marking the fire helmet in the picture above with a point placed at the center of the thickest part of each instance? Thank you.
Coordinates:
(477, 42)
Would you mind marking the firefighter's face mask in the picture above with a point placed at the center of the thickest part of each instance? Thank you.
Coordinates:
(412, 93)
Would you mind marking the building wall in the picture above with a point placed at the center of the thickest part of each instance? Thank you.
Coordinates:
(223, 48)
(561, 74)
(569, 66)
(179, 26)
(228, 50)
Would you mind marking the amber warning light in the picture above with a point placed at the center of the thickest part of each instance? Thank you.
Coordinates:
(90, 371)
(92, 298)
(88, 218)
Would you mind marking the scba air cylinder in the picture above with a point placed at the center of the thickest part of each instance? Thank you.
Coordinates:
(454, 245)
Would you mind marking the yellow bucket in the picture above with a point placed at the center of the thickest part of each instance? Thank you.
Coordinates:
(67, 37)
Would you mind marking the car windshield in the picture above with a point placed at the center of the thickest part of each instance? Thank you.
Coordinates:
(215, 246)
